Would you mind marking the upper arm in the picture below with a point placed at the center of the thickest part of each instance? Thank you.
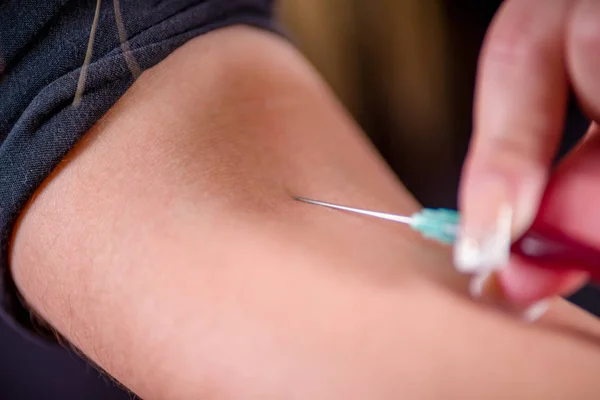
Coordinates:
(140, 240)
(168, 249)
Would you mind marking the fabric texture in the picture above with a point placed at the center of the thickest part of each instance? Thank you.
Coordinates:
(42, 48)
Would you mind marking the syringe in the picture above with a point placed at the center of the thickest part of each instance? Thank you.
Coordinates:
(541, 244)
(438, 224)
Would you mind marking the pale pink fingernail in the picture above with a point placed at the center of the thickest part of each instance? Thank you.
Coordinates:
(536, 311)
(493, 213)
(486, 289)
(481, 249)
(477, 284)
(527, 202)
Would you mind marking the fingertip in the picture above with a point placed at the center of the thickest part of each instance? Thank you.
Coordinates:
(525, 284)
(494, 210)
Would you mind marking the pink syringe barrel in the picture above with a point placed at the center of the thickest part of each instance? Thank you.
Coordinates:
(549, 248)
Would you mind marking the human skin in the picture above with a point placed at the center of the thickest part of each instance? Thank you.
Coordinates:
(168, 249)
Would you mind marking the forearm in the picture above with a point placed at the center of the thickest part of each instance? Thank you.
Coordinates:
(168, 249)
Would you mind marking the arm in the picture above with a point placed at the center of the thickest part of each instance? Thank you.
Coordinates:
(167, 248)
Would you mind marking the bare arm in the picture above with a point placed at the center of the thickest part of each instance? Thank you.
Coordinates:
(168, 249)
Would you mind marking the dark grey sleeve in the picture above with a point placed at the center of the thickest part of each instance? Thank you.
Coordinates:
(42, 48)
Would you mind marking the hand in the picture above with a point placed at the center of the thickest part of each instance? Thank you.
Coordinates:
(534, 51)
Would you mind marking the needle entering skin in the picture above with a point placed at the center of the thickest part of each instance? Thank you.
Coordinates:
(390, 217)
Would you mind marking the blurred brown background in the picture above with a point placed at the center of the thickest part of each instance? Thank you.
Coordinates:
(405, 70)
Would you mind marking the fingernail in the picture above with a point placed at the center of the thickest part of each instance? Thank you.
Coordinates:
(536, 311)
(527, 202)
(478, 283)
(485, 246)
(486, 289)
(493, 213)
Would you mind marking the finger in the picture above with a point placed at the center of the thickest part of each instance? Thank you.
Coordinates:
(520, 106)
(583, 55)
(570, 205)
(525, 284)
(573, 193)
(521, 299)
